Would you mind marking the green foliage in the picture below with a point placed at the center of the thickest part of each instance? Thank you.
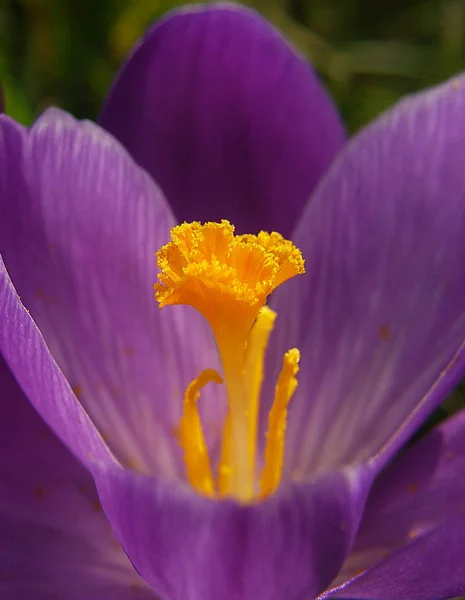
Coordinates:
(65, 52)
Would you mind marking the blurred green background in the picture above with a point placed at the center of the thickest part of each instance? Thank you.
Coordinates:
(369, 53)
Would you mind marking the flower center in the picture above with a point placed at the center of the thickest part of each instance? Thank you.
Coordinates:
(228, 278)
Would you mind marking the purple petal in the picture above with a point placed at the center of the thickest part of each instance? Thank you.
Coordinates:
(226, 117)
(290, 546)
(56, 542)
(422, 489)
(380, 316)
(79, 226)
(23, 348)
(429, 568)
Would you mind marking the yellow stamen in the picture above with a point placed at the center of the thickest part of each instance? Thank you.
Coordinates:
(277, 420)
(228, 278)
(192, 439)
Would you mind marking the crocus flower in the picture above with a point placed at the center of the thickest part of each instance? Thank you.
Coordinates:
(118, 481)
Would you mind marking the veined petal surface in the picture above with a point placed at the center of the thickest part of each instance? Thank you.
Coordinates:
(380, 316)
(420, 491)
(188, 546)
(226, 117)
(56, 541)
(428, 568)
(79, 226)
(24, 349)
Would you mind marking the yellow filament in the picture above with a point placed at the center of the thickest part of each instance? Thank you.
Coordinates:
(192, 439)
(228, 278)
(253, 378)
(277, 420)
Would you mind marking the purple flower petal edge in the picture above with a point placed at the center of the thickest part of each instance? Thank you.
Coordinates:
(79, 225)
(419, 491)
(289, 546)
(28, 357)
(429, 568)
(56, 541)
(226, 116)
(379, 317)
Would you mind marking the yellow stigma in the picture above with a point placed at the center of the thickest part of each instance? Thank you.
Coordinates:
(224, 276)
(228, 278)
